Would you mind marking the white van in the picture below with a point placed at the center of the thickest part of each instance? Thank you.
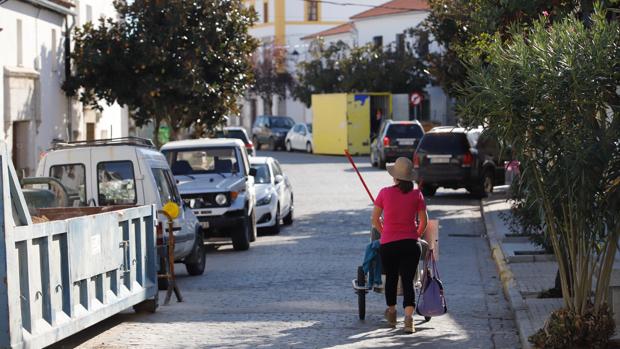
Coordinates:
(127, 172)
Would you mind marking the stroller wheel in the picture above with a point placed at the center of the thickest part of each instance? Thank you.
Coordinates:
(361, 295)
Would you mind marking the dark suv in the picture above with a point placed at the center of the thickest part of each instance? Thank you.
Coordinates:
(395, 139)
(271, 130)
(455, 158)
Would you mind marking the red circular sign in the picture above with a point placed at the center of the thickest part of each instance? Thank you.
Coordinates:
(416, 98)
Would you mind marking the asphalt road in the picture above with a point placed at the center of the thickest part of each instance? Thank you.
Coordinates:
(294, 290)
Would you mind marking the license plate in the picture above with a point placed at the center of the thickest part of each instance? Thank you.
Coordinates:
(406, 141)
(204, 225)
(440, 160)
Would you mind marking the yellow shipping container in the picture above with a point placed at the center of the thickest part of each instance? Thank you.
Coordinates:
(345, 121)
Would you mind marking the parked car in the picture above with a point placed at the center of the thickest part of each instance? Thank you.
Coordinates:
(454, 157)
(395, 139)
(271, 130)
(217, 183)
(299, 138)
(238, 133)
(125, 172)
(274, 194)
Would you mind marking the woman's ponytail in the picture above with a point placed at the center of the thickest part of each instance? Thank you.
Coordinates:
(404, 186)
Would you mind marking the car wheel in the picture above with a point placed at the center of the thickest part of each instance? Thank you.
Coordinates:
(373, 163)
(381, 163)
(255, 142)
(309, 148)
(288, 146)
(488, 181)
(429, 190)
(272, 144)
(241, 236)
(288, 219)
(197, 259)
(253, 231)
(276, 225)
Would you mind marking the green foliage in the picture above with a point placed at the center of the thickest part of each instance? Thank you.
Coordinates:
(177, 61)
(270, 76)
(552, 93)
(339, 68)
(465, 28)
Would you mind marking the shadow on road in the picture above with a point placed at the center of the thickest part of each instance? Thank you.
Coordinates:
(289, 158)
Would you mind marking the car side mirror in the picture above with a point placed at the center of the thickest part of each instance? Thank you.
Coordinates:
(252, 172)
(279, 179)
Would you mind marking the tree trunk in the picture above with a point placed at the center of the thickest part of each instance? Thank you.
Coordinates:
(267, 105)
(156, 125)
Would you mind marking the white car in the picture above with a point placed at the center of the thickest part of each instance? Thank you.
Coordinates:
(299, 138)
(274, 194)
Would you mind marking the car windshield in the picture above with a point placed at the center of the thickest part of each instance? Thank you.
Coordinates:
(262, 174)
(444, 143)
(202, 161)
(405, 131)
(282, 122)
(238, 134)
(309, 127)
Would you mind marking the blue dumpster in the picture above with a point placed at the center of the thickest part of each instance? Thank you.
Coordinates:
(72, 268)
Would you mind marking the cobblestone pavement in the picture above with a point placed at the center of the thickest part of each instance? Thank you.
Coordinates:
(294, 290)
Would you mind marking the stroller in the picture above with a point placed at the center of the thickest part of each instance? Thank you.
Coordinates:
(361, 286)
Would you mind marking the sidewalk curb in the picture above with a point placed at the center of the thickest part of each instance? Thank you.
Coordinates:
(509, 285)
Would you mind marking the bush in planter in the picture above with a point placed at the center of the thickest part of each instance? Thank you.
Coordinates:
(565, 330)
(553, 93)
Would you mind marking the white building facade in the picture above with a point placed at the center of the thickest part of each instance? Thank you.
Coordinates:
(33, 107)
(283, 24)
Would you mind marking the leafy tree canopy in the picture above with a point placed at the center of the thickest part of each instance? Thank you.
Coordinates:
(270, 75)
(465, 28)
(182, 62)
(340, 68)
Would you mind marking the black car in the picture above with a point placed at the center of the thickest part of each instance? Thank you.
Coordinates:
(271, 130)
(452, 157)
(395, 139)
(238, 133)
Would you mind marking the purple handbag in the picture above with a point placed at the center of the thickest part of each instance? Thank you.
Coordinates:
(431, 300)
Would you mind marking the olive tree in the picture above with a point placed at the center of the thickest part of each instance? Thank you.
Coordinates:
(553, 93)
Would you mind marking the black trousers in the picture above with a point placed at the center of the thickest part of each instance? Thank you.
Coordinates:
(400, 258)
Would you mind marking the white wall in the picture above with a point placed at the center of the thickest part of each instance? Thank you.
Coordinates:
(387, 26)
(30, 90)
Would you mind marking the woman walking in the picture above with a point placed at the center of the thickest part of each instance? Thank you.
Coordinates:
(402, 207)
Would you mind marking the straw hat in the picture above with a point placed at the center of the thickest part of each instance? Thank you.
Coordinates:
(402, 169)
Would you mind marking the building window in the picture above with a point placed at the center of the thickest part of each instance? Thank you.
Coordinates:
(20, 51)
(54, 51)
(377, 41)
(312, 10)
(266, 12)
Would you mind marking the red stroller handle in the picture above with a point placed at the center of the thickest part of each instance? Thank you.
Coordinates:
(346, 152)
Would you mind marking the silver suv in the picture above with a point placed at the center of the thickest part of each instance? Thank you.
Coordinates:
(217, 183)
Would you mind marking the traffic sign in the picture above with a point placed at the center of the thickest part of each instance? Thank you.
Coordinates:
(416, 98)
